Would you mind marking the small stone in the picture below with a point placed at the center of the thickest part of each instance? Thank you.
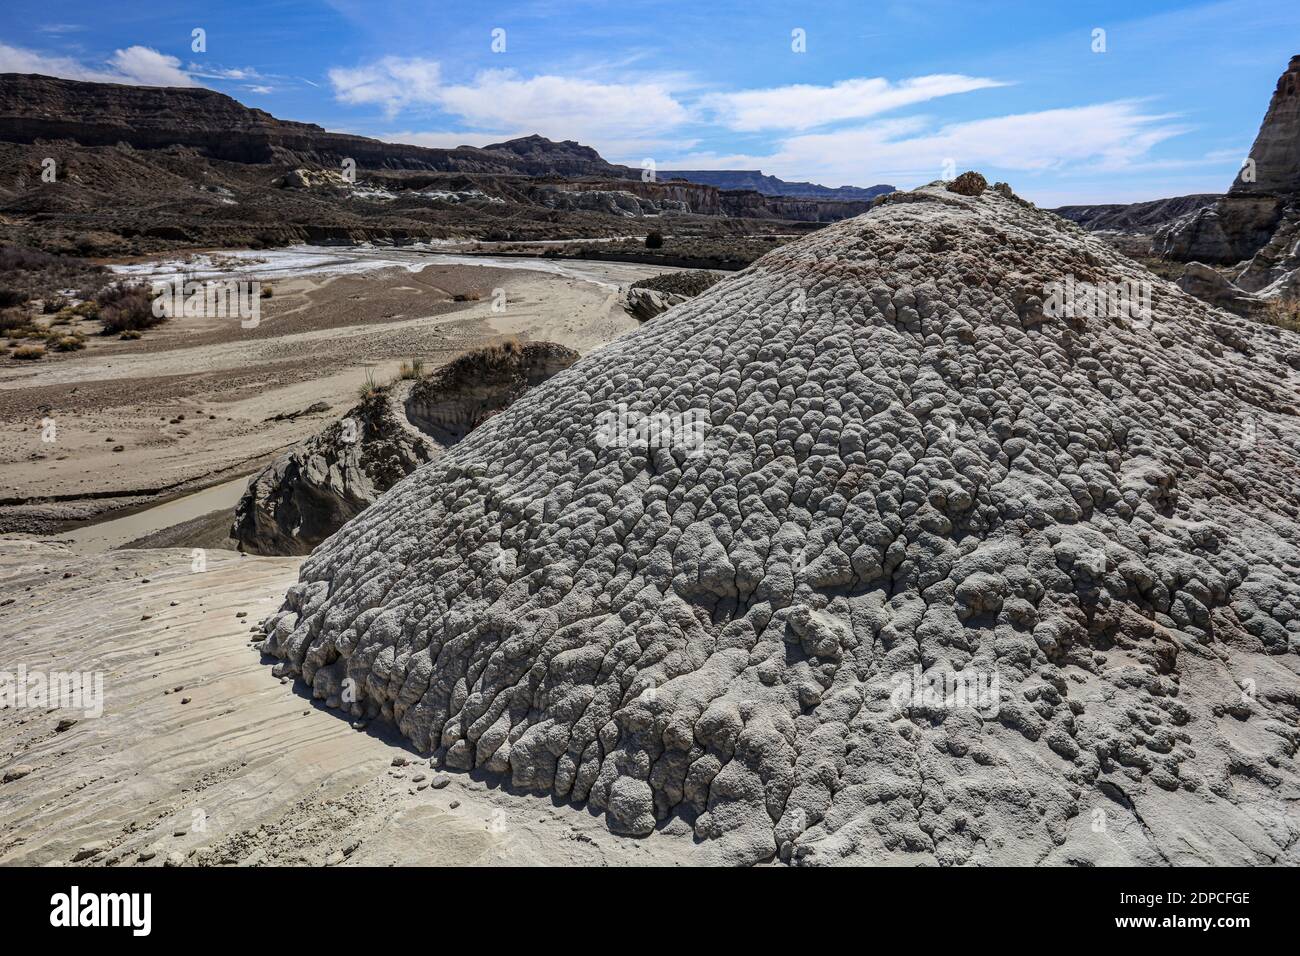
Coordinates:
(440, 780)
(67, 723)
(144, 856)
(89, 850)
(399, 761)
(454, 804)
(16, 773)
(185, 700)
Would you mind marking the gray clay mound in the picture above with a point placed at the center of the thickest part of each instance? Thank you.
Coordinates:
(1082, 532)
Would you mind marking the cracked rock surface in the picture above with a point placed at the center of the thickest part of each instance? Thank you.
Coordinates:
(909, 467)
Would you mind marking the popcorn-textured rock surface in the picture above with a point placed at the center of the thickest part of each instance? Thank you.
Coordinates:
(908, 464)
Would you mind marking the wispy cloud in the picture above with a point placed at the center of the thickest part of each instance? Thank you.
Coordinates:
(223, 73)
(803, 106)
(1105, 136)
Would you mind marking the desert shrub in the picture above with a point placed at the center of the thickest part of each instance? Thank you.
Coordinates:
(11, 319)
(126, 307)
(369, 389)
(1284, 313)
(37, 274)
(131, 334)
(654, 240)
(11, 297)
(412, 369)
(69, 343)
(1164, 268)
(53, 304)
(266, 292)
(467, 297)
(29, 352)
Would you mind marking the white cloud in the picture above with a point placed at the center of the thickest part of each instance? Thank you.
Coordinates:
(446, 140)
(624, 118)
(566, 108)
(392, 82)
(146, 67)
(1101, 137)
(136, 65)
(805, 107)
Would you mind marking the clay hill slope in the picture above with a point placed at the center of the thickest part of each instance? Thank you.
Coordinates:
(1091, 524)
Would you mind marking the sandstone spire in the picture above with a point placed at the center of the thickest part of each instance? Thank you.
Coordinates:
(1276, 152)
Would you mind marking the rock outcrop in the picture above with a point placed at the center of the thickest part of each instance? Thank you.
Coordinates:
(647, 298)
(645, 304)
(314, 488)
(1210, 285)
(1260, 215)
(872, 552)
(463, 394)
(1138, 217)
(310, 491)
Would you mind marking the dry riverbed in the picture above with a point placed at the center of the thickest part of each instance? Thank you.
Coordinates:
(198, 402)
(201, 755)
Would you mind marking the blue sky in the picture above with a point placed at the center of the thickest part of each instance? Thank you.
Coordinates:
(880, 92)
